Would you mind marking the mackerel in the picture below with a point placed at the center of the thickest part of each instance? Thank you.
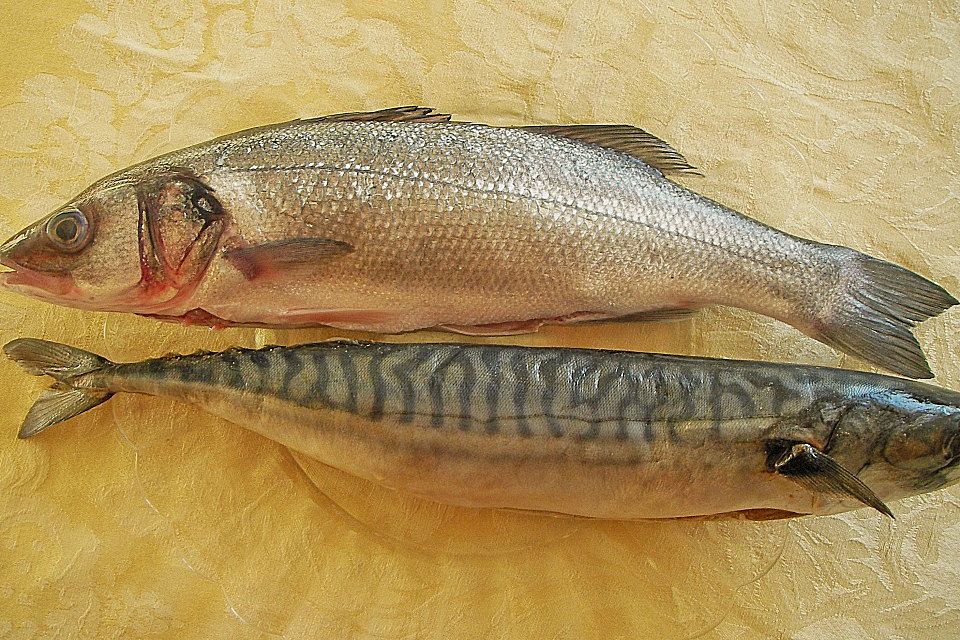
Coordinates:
(593, 433)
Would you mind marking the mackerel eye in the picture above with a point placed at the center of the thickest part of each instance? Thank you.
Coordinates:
(69, 230)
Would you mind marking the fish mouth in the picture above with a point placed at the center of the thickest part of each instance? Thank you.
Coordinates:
(22, 279)
(36, 285)
(8, 248)
(8, 275)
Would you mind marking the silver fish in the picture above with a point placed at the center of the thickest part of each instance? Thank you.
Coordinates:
(398, 220)
(591, 433)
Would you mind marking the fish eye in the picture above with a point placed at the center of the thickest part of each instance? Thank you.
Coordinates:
(204, 204)
(68, 230)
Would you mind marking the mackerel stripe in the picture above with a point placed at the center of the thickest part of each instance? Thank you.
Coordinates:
(523, 392)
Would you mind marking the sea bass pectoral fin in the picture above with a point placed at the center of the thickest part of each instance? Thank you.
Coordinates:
(880, 304)
(64, 364)
(625, 139)
(285, 255)
(819, 472)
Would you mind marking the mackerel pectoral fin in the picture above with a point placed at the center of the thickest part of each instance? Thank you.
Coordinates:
(821, 473)
(625, 139)
(284, 255)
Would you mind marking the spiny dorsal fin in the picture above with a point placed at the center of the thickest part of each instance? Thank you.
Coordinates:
(625, 139)
(819, 472)
(618, 137)
(409, 113)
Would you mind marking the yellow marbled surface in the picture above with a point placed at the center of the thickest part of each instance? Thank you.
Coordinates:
(143, 519)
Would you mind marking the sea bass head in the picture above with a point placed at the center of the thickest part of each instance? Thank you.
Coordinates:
(135, 241)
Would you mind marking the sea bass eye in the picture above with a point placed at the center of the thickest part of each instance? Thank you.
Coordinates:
(68, 230)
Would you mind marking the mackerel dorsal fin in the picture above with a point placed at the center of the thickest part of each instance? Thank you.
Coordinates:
(625, 139)
(409, 113)
(820, 473)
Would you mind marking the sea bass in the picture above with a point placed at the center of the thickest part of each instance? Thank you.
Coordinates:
(576, 431)
(399, 220)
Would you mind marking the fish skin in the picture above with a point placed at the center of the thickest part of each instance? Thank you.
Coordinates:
(593, 433)
(459, 225)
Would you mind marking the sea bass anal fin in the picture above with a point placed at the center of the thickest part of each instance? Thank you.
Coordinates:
(670, 314)
(817, 471)
(626, 139)
(529, 326)
(284, 255)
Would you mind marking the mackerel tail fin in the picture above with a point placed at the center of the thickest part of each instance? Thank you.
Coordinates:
(64, 364)
(873, 315)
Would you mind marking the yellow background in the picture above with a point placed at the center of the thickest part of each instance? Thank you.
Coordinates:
(144, 519)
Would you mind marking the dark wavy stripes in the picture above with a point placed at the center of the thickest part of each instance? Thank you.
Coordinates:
(555, 393)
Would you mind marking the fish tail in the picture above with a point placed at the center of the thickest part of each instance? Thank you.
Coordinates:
(877, 306)
(67, 365)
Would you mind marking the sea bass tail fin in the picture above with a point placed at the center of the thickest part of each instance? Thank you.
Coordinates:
(880, 305)
(63, 363)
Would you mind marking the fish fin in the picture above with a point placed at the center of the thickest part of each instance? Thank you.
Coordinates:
(883, 302)
(495, 328)
(530, 326)
(625, 139)
(656, 315)
(756, 515)
(290, 253)
(542, 513)
(764, 515)
(819, 472)
(58, 404)
(45, 358)
(409, 113)
(63, 363)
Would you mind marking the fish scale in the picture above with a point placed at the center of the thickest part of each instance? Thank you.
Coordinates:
(399, 220)
(596, 433)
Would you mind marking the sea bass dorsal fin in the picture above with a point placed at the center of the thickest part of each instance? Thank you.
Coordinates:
(625, 139)
(817, 471)
(409, 113)
(284, 255)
